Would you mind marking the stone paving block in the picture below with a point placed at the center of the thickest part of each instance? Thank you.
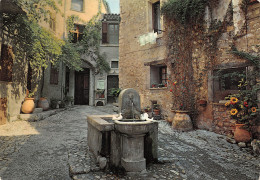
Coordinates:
(37, 110)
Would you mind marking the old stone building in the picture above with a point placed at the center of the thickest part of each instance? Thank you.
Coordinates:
(61, 82)
(16, 75)
(143, 52)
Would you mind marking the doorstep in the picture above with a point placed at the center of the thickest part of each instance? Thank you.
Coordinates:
(38, 115)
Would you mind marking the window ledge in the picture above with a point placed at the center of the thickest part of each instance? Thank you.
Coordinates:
(78, 11)
(159, 88)
(109, 45)
(159, 36)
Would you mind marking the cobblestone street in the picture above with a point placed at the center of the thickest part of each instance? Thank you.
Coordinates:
(56, 149)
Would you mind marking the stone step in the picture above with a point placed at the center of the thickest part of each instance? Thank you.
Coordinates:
(37, 110)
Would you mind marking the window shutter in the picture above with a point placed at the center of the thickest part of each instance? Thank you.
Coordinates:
(104, 32)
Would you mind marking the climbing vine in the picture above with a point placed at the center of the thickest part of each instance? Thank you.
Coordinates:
(87, 46)
(38, 43)
(187, 38)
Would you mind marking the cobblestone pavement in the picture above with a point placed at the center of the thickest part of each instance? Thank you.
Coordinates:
(56, 149)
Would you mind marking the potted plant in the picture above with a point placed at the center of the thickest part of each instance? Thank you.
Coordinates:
(243, 108)
(114, 92)
(62, 104)
(43, 103)
(147, 109)
(100, 93)
(154, 85)
(156, 109)
(69, 100)
(202, 102)
(54, 103)
(28, 104)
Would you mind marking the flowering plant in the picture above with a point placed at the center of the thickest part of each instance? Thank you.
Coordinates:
(243, 106)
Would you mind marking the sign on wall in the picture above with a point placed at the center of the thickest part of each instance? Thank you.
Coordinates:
(101, 84)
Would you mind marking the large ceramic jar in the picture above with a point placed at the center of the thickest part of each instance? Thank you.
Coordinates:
(181, 121)
(44, 104)
(241, 134)
(28, 105)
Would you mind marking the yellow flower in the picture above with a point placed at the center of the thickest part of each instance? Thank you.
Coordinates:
(233, 100)
(241, 106)
(253, 109)
(227, 103)
(233, 112)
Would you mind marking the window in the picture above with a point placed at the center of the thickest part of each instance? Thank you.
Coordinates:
(114, 64)
(77, 5)
(163, 75)
(52, 23)
(77, 33)
(156, 17)
(6, 63)
(110, 33)
(54, 77)
(226, 82)
(158, 76)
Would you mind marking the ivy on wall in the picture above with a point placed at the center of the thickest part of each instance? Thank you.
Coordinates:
(186, 33)
(192, 47)
(87, 46)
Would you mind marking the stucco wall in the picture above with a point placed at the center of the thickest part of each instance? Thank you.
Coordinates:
(14, 91)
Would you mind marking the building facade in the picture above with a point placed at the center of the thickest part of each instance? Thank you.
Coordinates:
(16, 75)
(143, 65)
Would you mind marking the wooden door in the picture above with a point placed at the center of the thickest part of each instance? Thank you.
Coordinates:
(82, 87)
(3, 106)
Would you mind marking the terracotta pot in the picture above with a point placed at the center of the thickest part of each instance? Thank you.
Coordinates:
(44, 104)
(28, 105)
(156, 111)
(181, 121)
(241, 135)
(202, 102)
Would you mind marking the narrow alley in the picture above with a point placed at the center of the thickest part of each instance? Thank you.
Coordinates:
(56, 148)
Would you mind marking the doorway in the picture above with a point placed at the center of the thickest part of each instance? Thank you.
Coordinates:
(112, 82)
(82, 87)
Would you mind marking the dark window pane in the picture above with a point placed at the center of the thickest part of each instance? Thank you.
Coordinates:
(54, 77)
(113, 33)
(156, 17)
(114, 64)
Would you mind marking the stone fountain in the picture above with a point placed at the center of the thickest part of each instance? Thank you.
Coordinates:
(126, 142)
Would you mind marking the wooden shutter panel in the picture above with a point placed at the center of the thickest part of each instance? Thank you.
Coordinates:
(104, 32)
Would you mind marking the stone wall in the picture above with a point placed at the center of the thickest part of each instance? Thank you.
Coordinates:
(222, 123)
(135, 22)
(135, 60)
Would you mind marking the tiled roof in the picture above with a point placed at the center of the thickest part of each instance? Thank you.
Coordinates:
(111, 17)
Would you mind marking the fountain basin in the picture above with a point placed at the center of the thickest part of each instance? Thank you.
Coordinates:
(132, 133)
(134, 127)
(128, 143)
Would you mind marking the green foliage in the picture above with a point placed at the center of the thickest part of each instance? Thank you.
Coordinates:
(243, 105)
(88, 46)
(114, 92)
(254, 59)
(71, 56)
(184, 11)
(39, 44)
(38, 9)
